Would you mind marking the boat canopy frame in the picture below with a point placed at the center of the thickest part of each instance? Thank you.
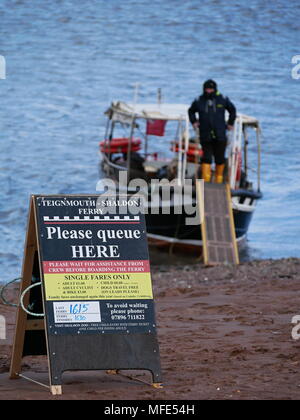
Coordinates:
(128, 113)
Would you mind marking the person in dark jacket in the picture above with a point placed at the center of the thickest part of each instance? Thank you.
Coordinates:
(207, 113)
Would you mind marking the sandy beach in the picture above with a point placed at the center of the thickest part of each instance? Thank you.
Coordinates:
(224, 333)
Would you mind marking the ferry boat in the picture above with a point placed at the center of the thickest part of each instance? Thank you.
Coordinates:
(156, 141)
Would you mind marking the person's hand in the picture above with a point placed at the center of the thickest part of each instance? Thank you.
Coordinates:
(229, 127)
(196, 125)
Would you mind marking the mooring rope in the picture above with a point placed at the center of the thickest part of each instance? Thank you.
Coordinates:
(22, 303)
(2, 292)
(5, 301)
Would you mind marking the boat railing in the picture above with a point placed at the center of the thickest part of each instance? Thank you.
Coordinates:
(239, 142)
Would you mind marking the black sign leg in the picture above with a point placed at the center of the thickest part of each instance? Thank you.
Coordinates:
(106, 352)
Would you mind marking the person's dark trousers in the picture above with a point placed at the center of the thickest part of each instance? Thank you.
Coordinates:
(214, 148)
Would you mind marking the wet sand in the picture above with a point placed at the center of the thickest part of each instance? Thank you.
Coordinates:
(224, 333)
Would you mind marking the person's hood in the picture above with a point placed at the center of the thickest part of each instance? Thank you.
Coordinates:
(211, 84)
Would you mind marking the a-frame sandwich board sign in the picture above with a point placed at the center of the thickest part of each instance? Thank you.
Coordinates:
(95, 305)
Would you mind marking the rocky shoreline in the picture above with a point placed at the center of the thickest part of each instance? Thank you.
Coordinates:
(224, 333)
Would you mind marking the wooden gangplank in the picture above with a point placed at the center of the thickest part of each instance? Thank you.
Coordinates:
(218, 232)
